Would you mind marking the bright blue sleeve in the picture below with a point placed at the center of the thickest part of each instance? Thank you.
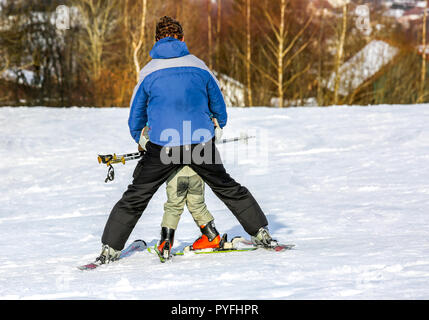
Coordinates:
(138, 113)
(217, 104)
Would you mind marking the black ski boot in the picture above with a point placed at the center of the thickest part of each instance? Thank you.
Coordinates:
(263, 239)
(107, 255)
(165, 245)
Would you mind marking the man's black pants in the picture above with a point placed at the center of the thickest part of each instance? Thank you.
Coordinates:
(151, 172)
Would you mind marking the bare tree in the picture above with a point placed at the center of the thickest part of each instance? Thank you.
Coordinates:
(4, 59)
(423, 70)
(98, 18)
(340, 54)
(209, 32)
(248, 54)
(218, 30)
(320, 99)
(137, 36)
(279, 48)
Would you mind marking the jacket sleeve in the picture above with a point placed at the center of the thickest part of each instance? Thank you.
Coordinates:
(138, 112)
(217, 104)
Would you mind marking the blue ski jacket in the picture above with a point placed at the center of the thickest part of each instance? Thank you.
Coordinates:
(176, 97)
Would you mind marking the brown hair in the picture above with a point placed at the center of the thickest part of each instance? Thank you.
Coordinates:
(168, 27)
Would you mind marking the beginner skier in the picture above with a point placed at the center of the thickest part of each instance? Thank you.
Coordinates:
(184, 186)
(176, 96)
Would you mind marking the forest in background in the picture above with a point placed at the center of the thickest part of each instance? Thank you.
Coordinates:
(278, 53)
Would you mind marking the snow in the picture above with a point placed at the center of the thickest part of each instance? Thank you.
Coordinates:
(306, 102)
(362, 66)
(11, 74)
(348, 185)
(338, 3)
(232, 90)
(394, 13)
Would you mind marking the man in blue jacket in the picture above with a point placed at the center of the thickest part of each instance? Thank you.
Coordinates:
(177, 97)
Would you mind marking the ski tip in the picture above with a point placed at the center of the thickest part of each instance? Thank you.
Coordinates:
(90, 266)
(140, 240)
(283, 247)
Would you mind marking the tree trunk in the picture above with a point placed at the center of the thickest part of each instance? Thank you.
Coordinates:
(280, 55)
(209, 31)
(320, 99)
(340, 53)
(137, 37)
(138, 44)
(248, 54)
(218, 30)
(423, 71)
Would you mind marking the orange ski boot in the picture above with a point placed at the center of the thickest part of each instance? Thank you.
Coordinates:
(210, 237)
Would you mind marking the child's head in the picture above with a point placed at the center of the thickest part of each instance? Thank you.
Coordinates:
(168, 27)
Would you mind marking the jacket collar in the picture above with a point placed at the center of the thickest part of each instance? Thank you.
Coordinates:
(169, 47)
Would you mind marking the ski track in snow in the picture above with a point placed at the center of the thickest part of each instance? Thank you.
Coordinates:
(348, 185)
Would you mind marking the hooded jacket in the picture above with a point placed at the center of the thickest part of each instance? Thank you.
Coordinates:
(176, 97)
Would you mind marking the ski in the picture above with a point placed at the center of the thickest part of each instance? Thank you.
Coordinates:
(237, 244)
(136, 246)
(186, 251)
(210, 251)
(277, 247)
(155, 250)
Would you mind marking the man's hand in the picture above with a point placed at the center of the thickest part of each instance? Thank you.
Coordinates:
(144, 138)
(218, 130)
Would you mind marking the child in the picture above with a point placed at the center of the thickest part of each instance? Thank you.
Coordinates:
(184, 186)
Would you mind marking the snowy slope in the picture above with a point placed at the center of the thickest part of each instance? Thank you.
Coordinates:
(348, 185)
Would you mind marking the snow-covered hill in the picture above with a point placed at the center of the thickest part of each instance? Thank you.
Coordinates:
(348, 185)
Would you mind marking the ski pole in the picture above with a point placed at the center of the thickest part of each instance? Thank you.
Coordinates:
(122, 158)
(109, 159)
(241, 138)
